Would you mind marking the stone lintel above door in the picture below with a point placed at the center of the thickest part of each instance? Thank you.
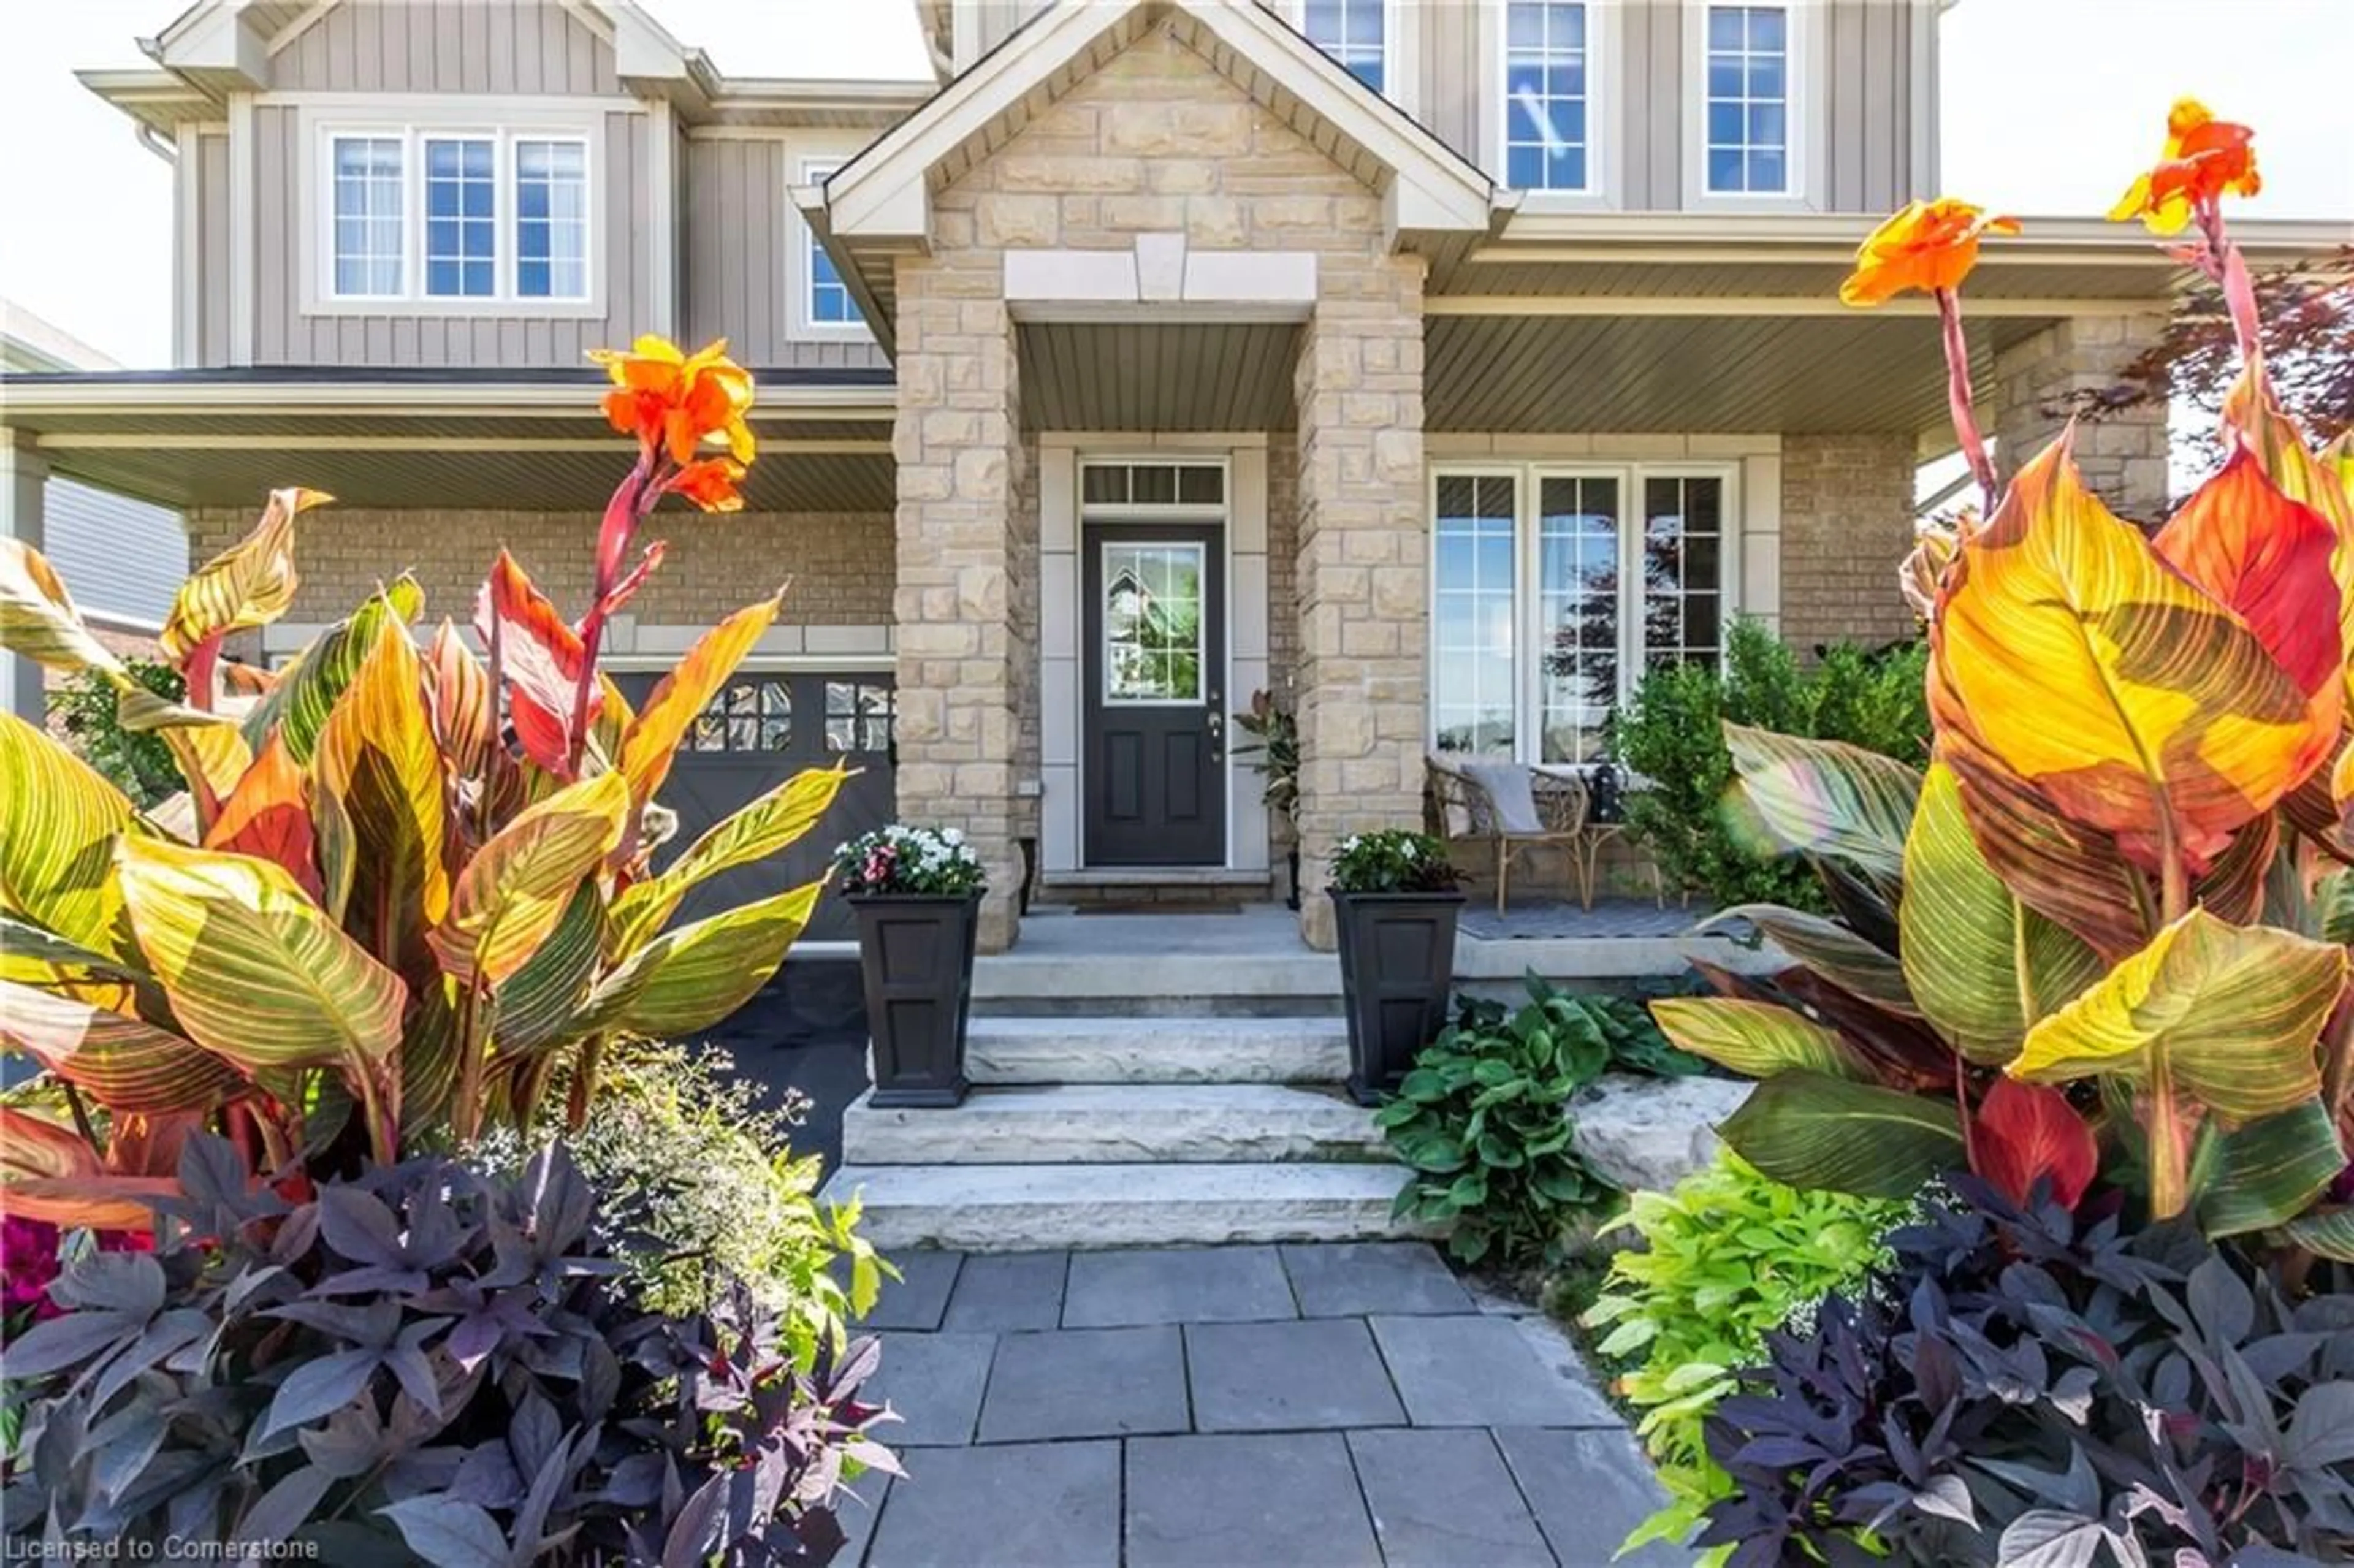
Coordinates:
(1162, 279)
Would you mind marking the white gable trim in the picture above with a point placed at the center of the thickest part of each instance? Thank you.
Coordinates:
(885, 193)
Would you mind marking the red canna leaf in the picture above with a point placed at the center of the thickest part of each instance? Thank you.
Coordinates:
(2267, 557)
(269, 815)
(2026, 1130)
(541, 657)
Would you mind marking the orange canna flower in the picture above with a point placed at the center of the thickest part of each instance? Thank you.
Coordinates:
(711, 484)
(1929, 246)
(2205, 159)
(675, 402)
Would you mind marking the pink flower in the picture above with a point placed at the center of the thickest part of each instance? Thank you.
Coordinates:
(28, 1260)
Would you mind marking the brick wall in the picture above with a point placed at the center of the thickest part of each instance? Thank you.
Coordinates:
(840, 564)
(1847, 522)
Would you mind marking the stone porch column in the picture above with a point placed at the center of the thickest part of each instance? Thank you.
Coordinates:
(1362, 586)
(2124, 454)
(966, 596)
(23, 473)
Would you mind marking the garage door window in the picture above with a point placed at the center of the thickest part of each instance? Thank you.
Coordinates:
(857, 716)
(747, 715)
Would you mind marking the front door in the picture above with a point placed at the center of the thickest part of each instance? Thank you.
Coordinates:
(1153, 727)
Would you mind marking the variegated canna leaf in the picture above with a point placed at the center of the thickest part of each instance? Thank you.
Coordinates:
(2070, 873)
(38, 618)
(515, 888)
(380, 807)
(269, 815)
(296, 708)
(250, 584)
(540, 658)
(59, 821)
(2072, 654)
(767, 826)
(49, 1173)
(2267, 1172)
(655, 735)
(1756, 1039)
(542, 1004)
(1983, 966)
(212, 758)
(461, 691)
(2228, 1014)
(127, 1065)
(690, 979)
(256, 972)
(1810, 1131)
(1827, 798)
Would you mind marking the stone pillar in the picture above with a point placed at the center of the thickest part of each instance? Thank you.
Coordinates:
(2123, 455)
(966, 594)
(1362, 565)
(24, 475)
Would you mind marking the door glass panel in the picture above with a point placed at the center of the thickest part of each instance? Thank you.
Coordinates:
(1471, 642)
(1577, 612)
(1152, 632)
(1684, 556)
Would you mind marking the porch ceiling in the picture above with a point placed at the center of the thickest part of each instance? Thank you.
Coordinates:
(1124, 377)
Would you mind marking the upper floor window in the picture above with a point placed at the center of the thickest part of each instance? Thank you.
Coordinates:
(1748, 103)
(1548, 119)
(1355, 32)
(827, 301)
(427, 217)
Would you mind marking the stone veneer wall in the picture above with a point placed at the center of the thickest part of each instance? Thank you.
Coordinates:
(1847, 524)
(2123, 455)
(840, 564)
(1155, 141)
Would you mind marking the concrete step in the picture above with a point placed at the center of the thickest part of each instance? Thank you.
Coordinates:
(1018, 1208)
(1117, 1124)
(1032, 1049)
(1145, 983)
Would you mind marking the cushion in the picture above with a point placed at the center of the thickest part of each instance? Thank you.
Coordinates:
(1510, 792)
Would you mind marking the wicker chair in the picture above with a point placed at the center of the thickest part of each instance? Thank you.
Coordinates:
(1457, 806)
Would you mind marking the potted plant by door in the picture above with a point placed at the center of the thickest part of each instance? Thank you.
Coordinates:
(1394, 902)
(1274, 751)
(916, 894)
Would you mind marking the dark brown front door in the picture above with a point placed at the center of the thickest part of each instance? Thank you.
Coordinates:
(1153, 727)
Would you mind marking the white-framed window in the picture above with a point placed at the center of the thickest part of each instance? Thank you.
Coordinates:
(455, 215)
(1356, 34)
(825, 299)
(1551, 126)
(1555, 586)
(1748, 127)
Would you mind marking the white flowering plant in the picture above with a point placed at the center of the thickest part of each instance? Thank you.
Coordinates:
(933, 861)
(1393, 861)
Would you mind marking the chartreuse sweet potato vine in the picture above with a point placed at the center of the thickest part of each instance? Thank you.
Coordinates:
(406, 880)
(2097, 937)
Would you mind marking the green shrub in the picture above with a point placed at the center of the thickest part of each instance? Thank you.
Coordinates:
(1727, 1257)
(1482, 1118)
(136, 762)
(1671, 734)
(703, 1190)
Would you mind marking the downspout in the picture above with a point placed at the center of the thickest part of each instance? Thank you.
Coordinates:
(156, 142)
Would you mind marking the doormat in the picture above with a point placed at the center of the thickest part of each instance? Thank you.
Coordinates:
(1189, 908)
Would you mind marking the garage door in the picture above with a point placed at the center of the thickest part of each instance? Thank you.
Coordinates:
(763, 728)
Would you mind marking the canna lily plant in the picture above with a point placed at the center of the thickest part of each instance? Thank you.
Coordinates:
(405, 881)
(2103, 936)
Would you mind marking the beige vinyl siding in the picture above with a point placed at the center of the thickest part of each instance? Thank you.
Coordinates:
(1862, 159)
(996, 20)
(737, 209)
(446, 46)
(285, 334)
(209, 210)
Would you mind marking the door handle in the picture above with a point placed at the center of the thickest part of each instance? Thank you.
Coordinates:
(1217, 721)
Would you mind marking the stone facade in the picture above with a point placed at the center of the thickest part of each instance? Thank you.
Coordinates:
(2122, 453)
(1158, 142)
(1847, 524)
(840, 564)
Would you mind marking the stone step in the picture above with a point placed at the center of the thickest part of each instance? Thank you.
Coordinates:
(1019, 1208)
(1152, 983)
(1116, 1124)
(1032, 1049)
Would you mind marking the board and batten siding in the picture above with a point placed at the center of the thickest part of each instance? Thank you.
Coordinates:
(284, 333)
(209, 209)
(446, 46)
(739, 225)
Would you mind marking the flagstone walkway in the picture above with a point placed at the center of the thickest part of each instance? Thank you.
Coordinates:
(1306, 1406)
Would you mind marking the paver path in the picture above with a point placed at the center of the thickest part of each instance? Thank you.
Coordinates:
(1302, 1406)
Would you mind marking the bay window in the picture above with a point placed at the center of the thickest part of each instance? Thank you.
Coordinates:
(1554, 588)
(430, 218)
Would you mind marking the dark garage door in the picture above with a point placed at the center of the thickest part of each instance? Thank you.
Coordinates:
(763, 728)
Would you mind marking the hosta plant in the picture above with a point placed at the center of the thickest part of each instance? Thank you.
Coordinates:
(1724, 1259)
(2103, 929)
(2026, 1387)
(405, 880)
(420, 1357)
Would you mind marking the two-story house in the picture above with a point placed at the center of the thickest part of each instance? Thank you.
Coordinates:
(1439, 367)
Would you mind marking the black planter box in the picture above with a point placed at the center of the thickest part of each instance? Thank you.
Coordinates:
(915, 952)
(1397, 968)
